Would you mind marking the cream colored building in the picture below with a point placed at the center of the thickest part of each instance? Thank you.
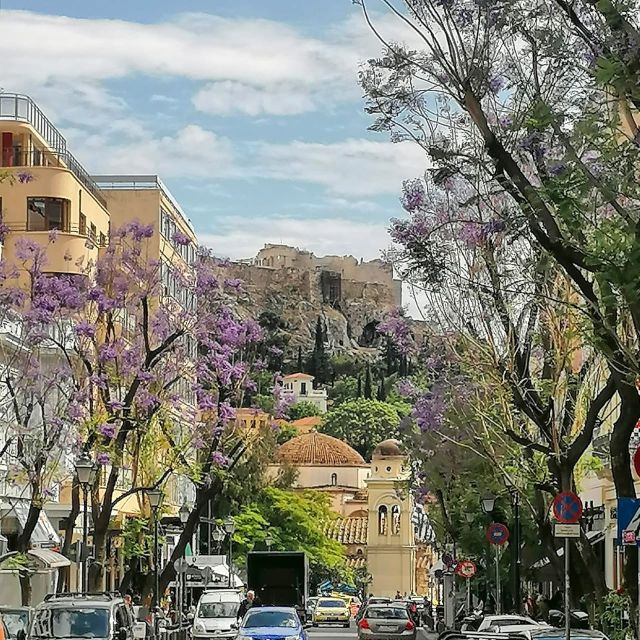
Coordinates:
(299, 386)
(391, 548)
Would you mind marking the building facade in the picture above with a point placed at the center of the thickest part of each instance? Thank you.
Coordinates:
(299, 387)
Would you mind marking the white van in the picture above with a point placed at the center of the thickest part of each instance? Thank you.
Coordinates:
(216, 615)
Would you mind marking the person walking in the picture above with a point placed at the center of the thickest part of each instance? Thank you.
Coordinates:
(246, 604)
(398, 595)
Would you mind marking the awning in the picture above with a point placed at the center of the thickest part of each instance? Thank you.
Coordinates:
(50, 559)
(594, 537)
(44, 533)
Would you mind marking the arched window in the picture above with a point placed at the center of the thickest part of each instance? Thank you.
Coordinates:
(382, 520)
(334, 479)
(395, 520)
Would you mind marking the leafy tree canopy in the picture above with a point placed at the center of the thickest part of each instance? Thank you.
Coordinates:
(363, 424)
(303, 409)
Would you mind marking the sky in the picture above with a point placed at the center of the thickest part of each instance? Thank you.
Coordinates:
(249, 111)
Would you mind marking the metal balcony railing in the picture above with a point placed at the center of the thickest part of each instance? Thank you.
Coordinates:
(22, 108)
(97, 240)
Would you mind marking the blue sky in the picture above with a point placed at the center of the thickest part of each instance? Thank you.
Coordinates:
(249, 110)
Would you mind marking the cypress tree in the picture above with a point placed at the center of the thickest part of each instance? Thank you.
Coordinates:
(359, 391)
(300, 366)
(368, 391)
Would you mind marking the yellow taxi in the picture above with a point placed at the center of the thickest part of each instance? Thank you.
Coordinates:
(331, 611)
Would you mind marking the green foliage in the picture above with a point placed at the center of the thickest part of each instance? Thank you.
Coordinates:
(319, 365)
(614, 606)
(362, 423)
(137, 538)
(345, 366)
(295, 520)
(17, 562)
(343, 390)
(266, 403)
(368, 391)
(303, 409)
(285, 433)
(276, 340)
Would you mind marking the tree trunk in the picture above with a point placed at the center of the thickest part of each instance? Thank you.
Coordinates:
(24, 544)
(96, 569)
(64, 573)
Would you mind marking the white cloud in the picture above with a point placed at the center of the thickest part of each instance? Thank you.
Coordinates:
(228, 97)
(193, 152)
(234, 238)
(353, 167)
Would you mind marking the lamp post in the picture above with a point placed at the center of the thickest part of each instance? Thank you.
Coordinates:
(488, 504)
(515, 505)
(230, 527)
(86, 472)
(268, 541)
(183, 513)
(155, 499)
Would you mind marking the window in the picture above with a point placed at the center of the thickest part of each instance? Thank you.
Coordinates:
(103, 240)
(93, 232)
(395, 520)
(45, 214)
(303, 388)
(382, 520)
(83, 225)
(334, 479)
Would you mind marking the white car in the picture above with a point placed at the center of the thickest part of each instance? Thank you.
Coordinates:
(216, 615)
(493, 621)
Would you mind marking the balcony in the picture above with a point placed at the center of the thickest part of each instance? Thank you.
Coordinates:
(20, 108)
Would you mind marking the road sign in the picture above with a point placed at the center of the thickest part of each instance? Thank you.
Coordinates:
(447, 560)
(567, 507)
(466, 569)
(628, 518)
(180, 565)
(566, 530)
(497, 533)
(629, 538)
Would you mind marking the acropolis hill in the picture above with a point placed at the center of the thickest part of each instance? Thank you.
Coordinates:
(351, 295)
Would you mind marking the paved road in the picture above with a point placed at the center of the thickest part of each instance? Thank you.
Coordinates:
(339, 633)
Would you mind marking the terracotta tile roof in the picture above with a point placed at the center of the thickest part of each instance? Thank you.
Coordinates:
(360, 496)
(298, 376)
(318, 449)
(348, 530)
(304, 425)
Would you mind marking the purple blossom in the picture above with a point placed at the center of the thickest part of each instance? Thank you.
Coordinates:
(219, 459)
(397, 328)
(24, 177)
(75, 410)
(505, 121)
(181, 239)
(557, 168)
(233, 283)
(226, 412)
(103, 459)
(145, 376)
(413, 194)
(85, 329)
(496, 84)
(107, 429)
(53, 235)
(472, 234)
(406, 388)
(429, 410)
(206, 402)
(108, 352)
(115, 405)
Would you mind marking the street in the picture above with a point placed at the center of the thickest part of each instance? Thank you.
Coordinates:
(338, 633)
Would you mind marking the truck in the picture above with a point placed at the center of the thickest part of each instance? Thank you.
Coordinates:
(279, 578)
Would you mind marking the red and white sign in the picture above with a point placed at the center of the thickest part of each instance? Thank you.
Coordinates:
(636, 461)
(629, 537)
(466, 569)
(567, 507)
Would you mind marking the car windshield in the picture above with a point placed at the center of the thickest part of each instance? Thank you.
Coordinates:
(386, 613)
(71, 623)
(15, 621)
(510, 622)
(331, 604)
(218, 609)
(264, 618)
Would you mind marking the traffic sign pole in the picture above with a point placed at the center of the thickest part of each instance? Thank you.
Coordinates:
(498, 589)
(567, 589)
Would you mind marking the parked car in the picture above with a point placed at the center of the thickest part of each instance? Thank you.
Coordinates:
(386, 621)
(550, 633)
(4, 632)
(67, 616)
(16, 619)
(510, 620)
(272, 623)
(372, 600)
(216, 615)
(331, 610)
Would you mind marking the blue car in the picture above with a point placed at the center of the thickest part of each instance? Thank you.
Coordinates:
(271, 623)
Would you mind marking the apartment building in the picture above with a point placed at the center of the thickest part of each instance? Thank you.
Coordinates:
(45, 193)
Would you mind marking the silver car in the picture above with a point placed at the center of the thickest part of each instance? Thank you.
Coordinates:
(386, 622)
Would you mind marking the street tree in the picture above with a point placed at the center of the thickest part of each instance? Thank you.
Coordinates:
(533, 107)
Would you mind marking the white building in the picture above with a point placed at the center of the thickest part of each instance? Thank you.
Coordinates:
(300, 387)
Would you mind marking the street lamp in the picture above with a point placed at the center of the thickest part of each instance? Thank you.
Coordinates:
(218, 537)
(488, 503)
(230, 527)
(184, 512)
(268, 541)
(155, 498)
(86, 472)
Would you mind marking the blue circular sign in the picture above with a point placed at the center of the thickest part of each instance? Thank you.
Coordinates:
(497, 533)
(567, 507)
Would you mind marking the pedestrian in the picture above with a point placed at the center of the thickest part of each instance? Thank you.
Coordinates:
(246, 604)
(542, 606)
(398, 595)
